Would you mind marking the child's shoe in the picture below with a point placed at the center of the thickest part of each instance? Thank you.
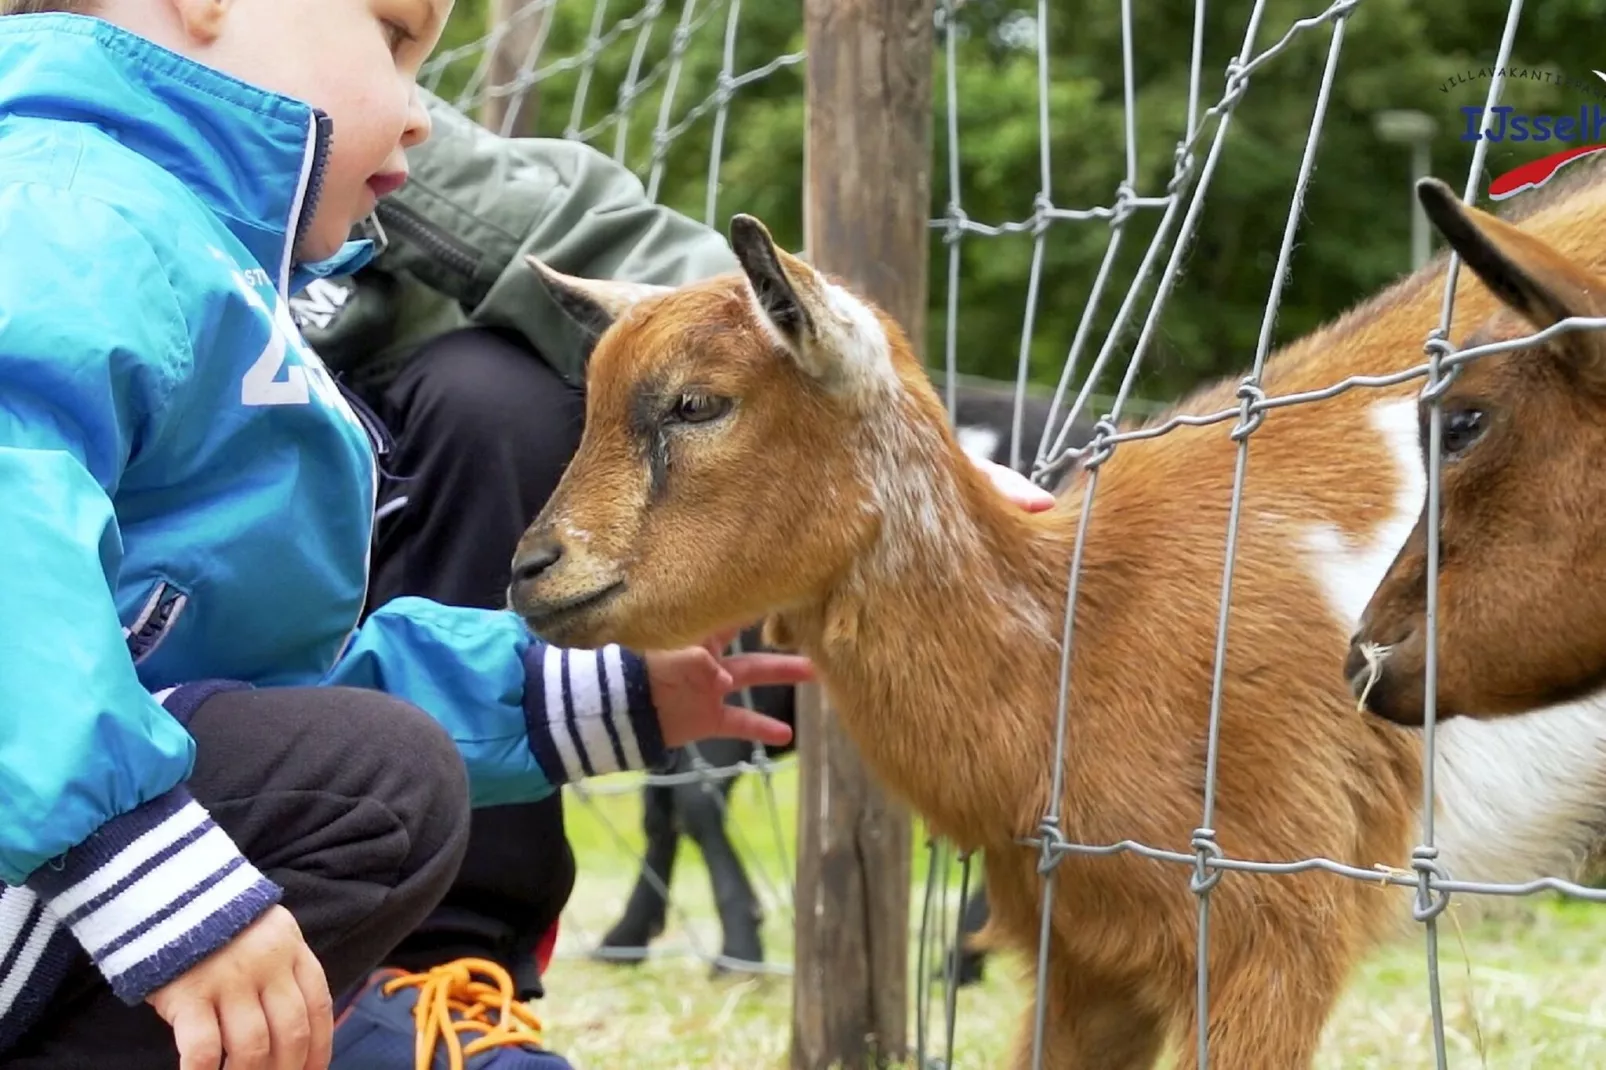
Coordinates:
(446, 1019)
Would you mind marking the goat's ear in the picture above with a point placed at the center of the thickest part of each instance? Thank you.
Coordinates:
(1537, 282)
(593, 304)
(825, 328)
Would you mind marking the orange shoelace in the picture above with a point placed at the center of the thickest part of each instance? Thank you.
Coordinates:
(451, 1003)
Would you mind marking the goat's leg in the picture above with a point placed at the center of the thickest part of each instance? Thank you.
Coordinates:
(702, 814)
(1094, 1022)
(643, 919)
(1268, 1014)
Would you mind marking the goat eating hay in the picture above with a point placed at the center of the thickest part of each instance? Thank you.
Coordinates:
(766, 443)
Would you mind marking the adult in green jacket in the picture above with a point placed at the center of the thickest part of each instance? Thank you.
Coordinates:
(476, 377)
(455, 237)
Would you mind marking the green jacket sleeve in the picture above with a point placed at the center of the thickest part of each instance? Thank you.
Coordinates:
(456, 235)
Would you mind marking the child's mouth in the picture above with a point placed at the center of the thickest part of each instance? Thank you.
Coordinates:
(387, 183)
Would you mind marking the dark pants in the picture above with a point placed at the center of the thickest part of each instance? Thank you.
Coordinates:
(484, 430)
(352, 801)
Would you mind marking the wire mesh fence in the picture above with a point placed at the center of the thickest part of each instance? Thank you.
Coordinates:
(653, 87)
(1181, 202)
(647, 87)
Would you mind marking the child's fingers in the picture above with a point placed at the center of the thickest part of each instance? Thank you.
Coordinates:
(745, 724)
(196, 1034)
(247, 1040)
(1016, 487)
(315, 991)
(289, 1024)
(761, 669)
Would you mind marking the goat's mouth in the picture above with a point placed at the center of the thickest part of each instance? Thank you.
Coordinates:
(1382, 685)
(1363, 669)
(559, 621)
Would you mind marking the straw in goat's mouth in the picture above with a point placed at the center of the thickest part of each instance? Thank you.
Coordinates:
(1374, 654)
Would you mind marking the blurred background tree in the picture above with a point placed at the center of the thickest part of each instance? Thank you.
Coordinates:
(1398, 54)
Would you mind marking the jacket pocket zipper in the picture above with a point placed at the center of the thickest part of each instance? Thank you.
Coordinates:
(155, 621)
(445, 247)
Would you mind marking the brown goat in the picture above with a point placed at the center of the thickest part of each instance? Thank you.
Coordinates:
(766, 443)
(1522, 558)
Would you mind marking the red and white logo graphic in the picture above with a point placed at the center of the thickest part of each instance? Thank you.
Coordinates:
(1536, 173)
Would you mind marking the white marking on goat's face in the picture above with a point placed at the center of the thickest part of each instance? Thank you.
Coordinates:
(579, 535)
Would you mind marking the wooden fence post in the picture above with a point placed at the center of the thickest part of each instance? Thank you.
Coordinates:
(867, 205)
(525, 20)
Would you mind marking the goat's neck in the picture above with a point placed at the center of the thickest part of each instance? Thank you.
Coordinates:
(940, 645)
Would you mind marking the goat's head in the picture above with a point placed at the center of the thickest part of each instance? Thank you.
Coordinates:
(721, 474)
(1522, 561)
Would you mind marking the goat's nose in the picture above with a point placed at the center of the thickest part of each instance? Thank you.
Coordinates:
(536, 560)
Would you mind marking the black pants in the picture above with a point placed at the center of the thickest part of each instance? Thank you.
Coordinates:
(483, 432)
(352, 801)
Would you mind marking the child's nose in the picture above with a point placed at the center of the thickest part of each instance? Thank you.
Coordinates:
(419, 125)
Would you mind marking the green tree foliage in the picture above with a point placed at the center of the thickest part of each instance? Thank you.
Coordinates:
(1430, 55)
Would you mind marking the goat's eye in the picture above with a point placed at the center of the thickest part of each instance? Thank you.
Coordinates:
(700, 408)
(1460, 429)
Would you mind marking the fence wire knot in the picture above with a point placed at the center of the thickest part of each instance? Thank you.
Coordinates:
(954, 224)
(1253, 415)
(1100, 447)
(1237, 84)
(1052, 844)
(1437, 346)
(1042, 213)
(1205, 846)
(1182, 164)
(1125, 204)
(1431, 901)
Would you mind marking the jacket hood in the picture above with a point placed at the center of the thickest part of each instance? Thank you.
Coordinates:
(254, 157)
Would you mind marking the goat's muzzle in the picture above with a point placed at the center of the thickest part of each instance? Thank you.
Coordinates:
(1381, 684)
(556, 591)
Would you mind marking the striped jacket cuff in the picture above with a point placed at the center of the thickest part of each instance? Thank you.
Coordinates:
(589, 712)
(153, 892)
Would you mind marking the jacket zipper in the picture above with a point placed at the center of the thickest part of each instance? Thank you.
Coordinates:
(378, 434)
(447, 248)
(322, 127)
(155, 621)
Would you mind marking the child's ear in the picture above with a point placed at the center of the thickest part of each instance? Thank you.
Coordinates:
(202, 20)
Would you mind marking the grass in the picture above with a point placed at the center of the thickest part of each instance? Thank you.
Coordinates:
(1525, 991)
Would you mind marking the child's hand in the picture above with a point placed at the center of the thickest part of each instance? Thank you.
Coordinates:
(260, 1002)
(689, 688)
(1016, 487)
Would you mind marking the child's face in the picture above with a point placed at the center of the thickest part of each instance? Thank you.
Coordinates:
(357, 60)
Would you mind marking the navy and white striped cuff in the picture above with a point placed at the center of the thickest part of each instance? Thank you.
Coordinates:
(35, 955)
(589, 712)
(153, 892)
